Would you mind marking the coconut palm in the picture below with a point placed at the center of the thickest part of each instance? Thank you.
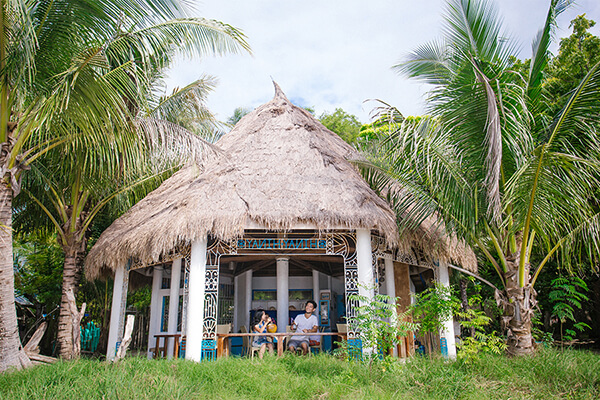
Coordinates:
(486, 161)
(66, 190)
(70, 72)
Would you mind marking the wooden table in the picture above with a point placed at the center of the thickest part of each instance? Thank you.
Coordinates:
(166, 336)
(223, 349)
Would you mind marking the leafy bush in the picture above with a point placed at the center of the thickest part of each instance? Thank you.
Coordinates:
(567, 295)
(379, 324)
(432, 307)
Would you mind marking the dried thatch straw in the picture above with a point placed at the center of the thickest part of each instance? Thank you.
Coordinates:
(430, 236)
(280, 167)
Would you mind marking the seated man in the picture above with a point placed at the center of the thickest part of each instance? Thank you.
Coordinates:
(304, 323)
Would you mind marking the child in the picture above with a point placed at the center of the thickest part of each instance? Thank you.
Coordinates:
(261, 320)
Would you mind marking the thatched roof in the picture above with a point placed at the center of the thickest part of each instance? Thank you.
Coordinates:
(279, 167)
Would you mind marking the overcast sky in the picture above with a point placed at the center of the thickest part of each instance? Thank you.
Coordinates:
(338, 53)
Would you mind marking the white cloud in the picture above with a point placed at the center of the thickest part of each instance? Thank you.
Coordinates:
(329, 54)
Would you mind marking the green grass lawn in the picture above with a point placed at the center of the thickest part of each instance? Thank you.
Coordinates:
(551, 374)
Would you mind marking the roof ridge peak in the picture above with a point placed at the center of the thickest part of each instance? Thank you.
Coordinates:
(279, 95)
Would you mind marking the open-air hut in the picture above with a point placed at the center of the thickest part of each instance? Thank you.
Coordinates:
(277, 216)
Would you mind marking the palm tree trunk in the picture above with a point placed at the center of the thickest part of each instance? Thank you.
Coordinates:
(465, 301)
(74, 254)
(11, 350)
(518, 305)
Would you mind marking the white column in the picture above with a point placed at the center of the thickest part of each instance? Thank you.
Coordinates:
(448, 331)
(283, 294)
(390, 285)
(390, 288)
(248, 299)
(195, 320)
(316, 287)
(116, 312)
(155, 308)
(174, 302)
(365, 263)
(236, 302)
(365, 269)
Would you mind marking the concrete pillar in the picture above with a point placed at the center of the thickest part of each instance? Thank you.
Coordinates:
(195, 322)
(283, 293)
(316, 285)
(155, 308)
(174, 303)
(390, 285)
(390, 290)
(364, 260)
(448, 331)
(248, 299)
(236, 303)
(117, 311)
(365, 269)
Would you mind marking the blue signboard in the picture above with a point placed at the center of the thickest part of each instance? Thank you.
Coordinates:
(282, 244)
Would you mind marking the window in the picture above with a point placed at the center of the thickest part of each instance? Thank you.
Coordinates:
(264, 295)
(294, 295)
(304, 295)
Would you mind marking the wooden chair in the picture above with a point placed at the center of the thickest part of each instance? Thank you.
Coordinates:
(245, 340)
(182, 348)
(223, 329)
(249, 350)
(343, 331)
(159, 351)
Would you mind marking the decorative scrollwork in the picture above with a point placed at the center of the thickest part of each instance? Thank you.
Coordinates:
(407, 257)
(210, 315)
(339, 243)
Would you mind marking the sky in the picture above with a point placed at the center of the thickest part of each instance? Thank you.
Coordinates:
(330, 54)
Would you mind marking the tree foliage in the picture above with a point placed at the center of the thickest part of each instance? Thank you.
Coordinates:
(75, 73)
(489, 163)
(577, 54)
(238, 114)
(347, 126)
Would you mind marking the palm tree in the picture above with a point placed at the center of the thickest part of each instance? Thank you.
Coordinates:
(66, 189)
(489, 165)
(64, 69)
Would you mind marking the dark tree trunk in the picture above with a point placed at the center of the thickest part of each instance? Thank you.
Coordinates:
(465, 301)
(74, 254)
(518, 304)
(12, 354)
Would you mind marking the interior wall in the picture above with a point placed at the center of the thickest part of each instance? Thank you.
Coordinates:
(323, 282)
(338, 285)
(270, 282)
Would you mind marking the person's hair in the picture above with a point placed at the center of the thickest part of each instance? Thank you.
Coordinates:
(314, 303)
(258, 317)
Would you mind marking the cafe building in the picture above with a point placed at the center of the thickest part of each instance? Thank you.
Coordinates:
(276, 215)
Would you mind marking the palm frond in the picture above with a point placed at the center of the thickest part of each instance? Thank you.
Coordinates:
(474, 28)
(540, 45)
(431, 63)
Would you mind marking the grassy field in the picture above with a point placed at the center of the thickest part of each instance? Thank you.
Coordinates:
(551, 374)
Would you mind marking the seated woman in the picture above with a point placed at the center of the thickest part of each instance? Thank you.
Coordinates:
(261, 320)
